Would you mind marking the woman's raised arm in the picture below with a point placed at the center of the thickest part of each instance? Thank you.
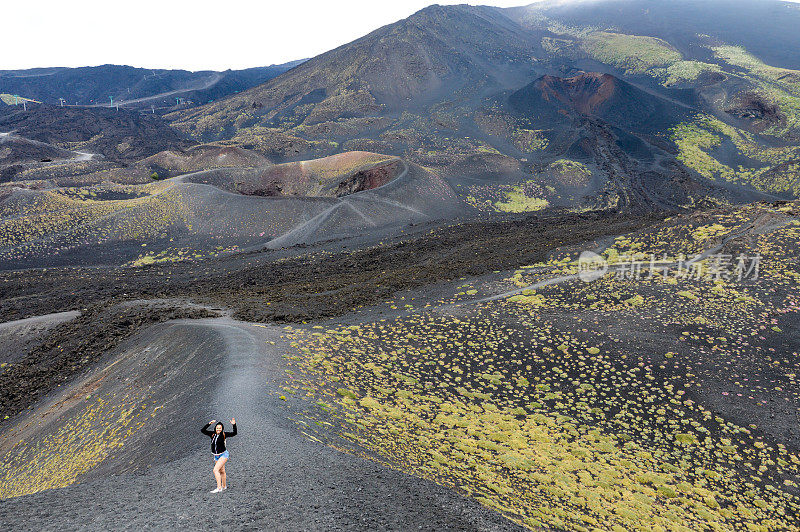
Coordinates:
(205, 430)
(228, 434)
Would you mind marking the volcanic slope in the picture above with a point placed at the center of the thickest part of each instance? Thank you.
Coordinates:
(19, 337)
(606, 146)
(666, 400)
(337, 175)
(437, 53)
(600, 145)
(185, 217)
(172, 163)
(139, 459)
(670, 130)
(728, 60)
(84, 169)
(19, 155)
(713, 123)
(766, 28)
(602, 96)
(120, 135)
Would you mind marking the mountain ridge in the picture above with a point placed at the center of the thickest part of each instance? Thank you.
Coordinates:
(95, 84)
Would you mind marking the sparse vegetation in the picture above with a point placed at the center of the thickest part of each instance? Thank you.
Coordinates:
(634, 54)
(517, 201)
(697, 141)
(524, 197)
(530, 424)
(785, 78)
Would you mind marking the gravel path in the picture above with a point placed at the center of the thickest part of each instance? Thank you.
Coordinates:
(278, 479)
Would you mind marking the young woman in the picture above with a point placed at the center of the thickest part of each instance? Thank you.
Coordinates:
(221, 454)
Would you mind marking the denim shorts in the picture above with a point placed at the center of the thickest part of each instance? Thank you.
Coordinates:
(221, 455)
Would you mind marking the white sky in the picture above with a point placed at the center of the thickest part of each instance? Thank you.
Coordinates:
(192, 35)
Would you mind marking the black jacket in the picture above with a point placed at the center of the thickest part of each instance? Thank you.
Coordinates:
(218, 440)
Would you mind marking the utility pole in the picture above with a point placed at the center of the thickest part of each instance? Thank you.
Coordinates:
(24, 105)
(62, 101)
(112, 101)
(153, 109)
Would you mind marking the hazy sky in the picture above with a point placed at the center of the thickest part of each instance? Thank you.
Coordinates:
(194, 35)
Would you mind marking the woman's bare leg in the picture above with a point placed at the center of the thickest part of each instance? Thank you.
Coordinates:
(217, 467)
(224, 477)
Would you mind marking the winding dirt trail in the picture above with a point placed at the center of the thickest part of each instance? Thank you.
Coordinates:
(278, 479)
(79, 156)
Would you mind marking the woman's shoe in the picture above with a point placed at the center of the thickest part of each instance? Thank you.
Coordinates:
(217, 490)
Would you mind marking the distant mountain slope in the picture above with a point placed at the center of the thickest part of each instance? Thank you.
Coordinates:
(439, 53)
(94, 85)
(767, 28)
(681, 94)
(628, 104)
